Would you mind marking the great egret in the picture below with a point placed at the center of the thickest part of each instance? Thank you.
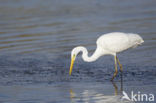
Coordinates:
(108, 44)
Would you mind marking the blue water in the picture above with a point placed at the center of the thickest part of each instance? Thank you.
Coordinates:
(36, 38)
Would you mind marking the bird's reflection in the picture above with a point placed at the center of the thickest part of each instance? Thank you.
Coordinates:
(116, 91)
(90, 95)
(72, 96)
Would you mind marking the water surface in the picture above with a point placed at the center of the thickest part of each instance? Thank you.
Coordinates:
(36, 38)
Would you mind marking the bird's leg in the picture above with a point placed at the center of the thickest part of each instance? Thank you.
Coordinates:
(120, 65)
(116, 69)
(116, 88)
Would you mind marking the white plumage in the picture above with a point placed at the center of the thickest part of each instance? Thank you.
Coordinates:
(108, 44)
(118, 42)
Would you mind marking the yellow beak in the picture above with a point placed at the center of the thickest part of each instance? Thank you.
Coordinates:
(71, 65)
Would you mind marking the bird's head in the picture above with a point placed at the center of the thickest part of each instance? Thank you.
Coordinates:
(74, 53)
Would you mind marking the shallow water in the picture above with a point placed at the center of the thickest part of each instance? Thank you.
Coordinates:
(93, 92)
(36, 38)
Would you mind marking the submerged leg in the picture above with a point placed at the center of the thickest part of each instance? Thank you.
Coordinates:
(120, 65)
(116, 69)
(121, 70)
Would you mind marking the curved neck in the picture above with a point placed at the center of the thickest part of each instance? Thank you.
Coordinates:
(95, 56)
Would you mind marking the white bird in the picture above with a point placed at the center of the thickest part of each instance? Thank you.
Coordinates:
(108, 44)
